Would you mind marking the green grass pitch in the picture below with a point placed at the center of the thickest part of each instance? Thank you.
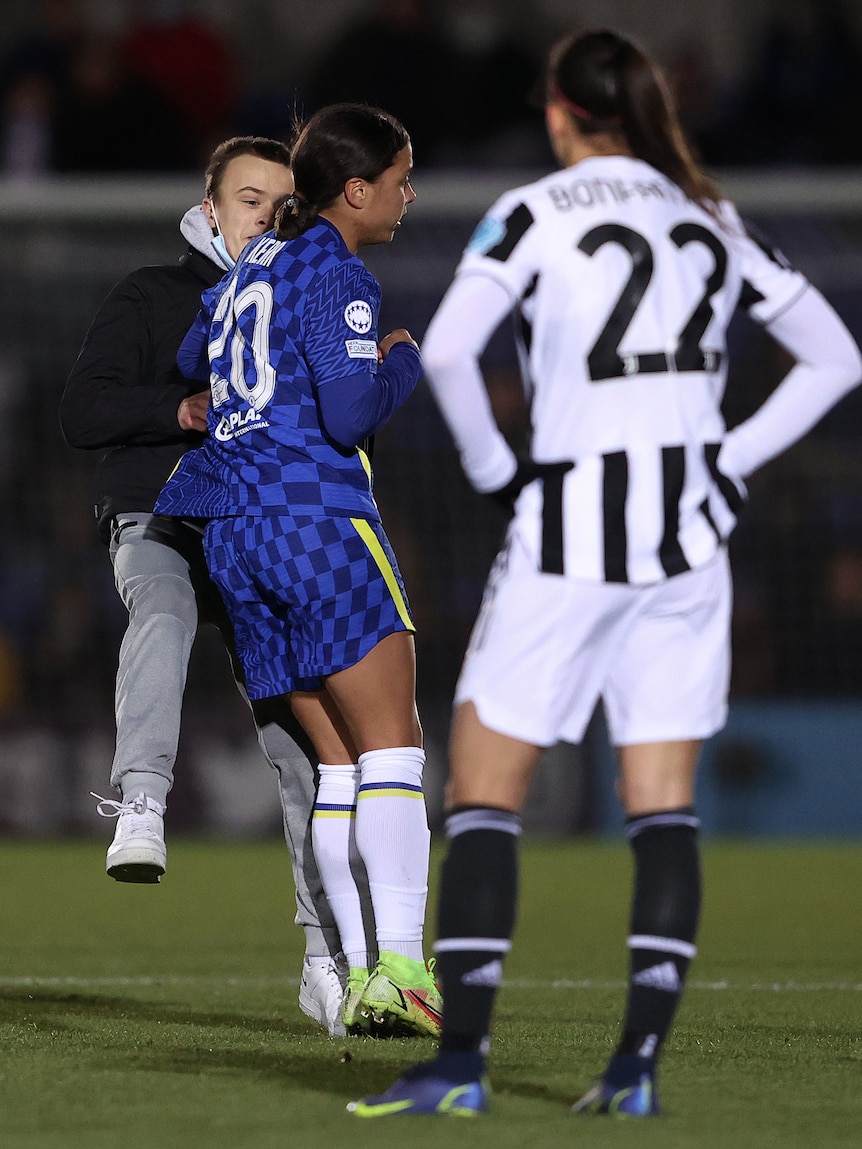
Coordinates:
(166, 1016)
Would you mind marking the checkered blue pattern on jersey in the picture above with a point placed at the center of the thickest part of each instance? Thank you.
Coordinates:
(286, 460)
(306, 596)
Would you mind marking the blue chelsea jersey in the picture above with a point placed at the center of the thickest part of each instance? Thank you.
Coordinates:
(290, 317)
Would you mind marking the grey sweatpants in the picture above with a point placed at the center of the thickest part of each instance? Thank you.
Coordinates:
(160, 573)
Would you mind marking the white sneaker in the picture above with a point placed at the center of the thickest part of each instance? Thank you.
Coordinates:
(138, 852)
(321, 991)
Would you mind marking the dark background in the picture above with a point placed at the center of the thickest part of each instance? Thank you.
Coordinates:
(108, 113)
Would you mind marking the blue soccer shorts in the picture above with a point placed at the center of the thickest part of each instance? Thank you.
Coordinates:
(307, 597)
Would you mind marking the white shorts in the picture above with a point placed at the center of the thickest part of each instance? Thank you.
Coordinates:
(545, 649)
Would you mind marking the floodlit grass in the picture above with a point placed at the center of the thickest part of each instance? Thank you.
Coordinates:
(166, 1016)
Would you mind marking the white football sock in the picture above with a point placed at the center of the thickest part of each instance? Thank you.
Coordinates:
(393, 839)
(341, 869)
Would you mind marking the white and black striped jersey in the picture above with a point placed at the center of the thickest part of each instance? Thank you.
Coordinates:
(625, 289)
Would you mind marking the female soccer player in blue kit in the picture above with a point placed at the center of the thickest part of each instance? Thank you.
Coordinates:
(294, 540)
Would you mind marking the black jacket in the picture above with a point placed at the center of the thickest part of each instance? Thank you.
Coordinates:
(125, 388)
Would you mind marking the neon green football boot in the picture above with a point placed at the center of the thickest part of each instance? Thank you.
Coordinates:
(401, 996)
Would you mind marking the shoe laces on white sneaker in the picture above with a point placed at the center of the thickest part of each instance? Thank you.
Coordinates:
(137, 853)
(138, 815)
(321, 991)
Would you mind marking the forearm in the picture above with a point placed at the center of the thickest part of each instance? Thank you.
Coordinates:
(828, 366)
(469, 314)
(358, 406)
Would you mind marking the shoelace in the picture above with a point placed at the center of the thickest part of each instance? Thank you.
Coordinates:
(331, 973)
(431, 967)
(334, 981)
(336, 988)
(136, 805)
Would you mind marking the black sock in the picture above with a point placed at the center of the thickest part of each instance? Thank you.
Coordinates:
(664, 920)
(476, 917)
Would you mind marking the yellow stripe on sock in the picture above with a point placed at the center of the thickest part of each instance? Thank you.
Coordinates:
(366, 533)
(391, 792)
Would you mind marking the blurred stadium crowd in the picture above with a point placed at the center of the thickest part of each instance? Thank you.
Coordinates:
(118, 87)
(152, 85)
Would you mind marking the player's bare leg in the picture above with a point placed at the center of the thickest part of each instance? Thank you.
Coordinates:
(487, 768)
(657, 775)
(375, 701)
(377, 696)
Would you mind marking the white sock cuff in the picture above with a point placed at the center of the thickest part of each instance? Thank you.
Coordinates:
(337, 782)
(326, 770)
(394, 764)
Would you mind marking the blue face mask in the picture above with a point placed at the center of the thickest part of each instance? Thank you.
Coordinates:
(225, 258)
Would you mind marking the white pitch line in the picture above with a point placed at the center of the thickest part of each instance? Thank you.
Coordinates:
(718, 986)
(167, 979)
(516, 983)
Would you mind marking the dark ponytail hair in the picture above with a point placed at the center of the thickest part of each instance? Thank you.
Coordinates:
(611, 86)
(338, 143)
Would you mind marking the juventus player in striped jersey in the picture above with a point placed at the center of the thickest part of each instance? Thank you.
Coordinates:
(625, 267)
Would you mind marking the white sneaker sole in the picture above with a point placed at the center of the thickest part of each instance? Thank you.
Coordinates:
(139, 862)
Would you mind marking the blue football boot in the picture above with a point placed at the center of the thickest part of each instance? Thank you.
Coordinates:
(628, 1089)
(423, 1090)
